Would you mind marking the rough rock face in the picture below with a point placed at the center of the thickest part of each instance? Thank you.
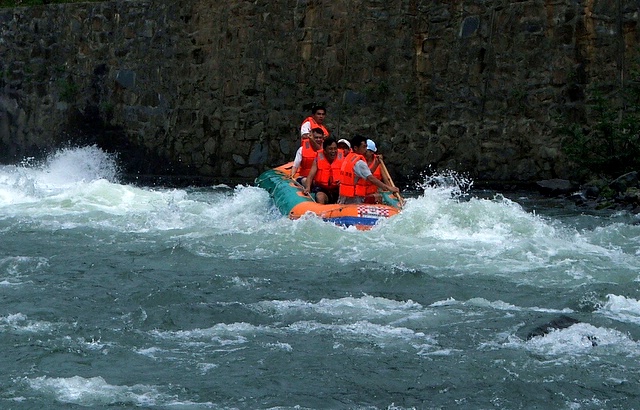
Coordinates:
(622, 193)
(219, 89)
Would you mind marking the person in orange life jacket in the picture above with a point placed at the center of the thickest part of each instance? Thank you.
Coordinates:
(316, 120)
(355, 175)
(305, 157)
(344, 146)
(325, 173)
(373, 197)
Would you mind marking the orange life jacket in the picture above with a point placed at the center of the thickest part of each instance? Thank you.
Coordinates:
(348, 185)
(308, 156)
(328, 174)
(314, 124)
(372, 189)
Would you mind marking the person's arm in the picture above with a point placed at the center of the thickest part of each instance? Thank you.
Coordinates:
(362, 170)
(296, 162)
(375, 181)
(312, 174)
(305, 130)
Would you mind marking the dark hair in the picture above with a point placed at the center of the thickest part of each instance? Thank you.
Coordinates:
(357, 140)
(328, 141)
(315, 108)
(319, 130)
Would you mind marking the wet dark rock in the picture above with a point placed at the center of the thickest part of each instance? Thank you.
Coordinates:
(619, 194)
(561, 322)
(591, 191)
(578, 198)
(631, 195)
(555, 187)
(623, 182)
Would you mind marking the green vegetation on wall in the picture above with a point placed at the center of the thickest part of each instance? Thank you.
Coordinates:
(68, 90)
(607, 144)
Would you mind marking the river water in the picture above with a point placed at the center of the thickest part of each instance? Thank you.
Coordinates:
(114, 295)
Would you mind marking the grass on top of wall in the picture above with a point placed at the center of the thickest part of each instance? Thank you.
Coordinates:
(25, 3)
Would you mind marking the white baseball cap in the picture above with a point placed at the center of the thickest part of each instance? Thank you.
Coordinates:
(371, 146)
(344, 141)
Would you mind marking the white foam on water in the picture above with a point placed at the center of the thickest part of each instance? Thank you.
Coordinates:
(95, 391)
(495, 305)
(81, 164)
(59, 179)
(368, 307)
(221, 334)
(20, 323)
(621, 308)
(243, 212)
(440, 230)
(79, 186)
(349, 320)
(14, 269)
(64, 169)
(365, 330)
(358, 331)
(394, 406)
(447, 302)
(280, 346)
(153, 352)
(581, 340)
(12, 190)
(500, 305)
(367, 334)
(248, 283)
(92, 344)
(496, 237)
(206, 367)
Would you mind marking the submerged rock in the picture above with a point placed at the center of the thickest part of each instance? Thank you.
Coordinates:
(619, 194)
(561, 322)
(624, 182)
(556, 187)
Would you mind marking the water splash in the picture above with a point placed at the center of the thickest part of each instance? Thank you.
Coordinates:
(31, 180)
(83, 164)
(456, 184)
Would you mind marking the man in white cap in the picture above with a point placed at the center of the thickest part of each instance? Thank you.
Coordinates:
(345, 146)
(355, 175)
(374, 165)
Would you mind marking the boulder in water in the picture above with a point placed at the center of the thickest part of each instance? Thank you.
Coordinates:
(561, 322)
(556, 187)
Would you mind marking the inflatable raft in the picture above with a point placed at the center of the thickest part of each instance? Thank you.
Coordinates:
(290, 199)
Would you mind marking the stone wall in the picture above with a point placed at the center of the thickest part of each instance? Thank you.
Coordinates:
(218, 89)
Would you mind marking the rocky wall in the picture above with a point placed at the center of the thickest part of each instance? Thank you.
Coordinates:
(217, 90)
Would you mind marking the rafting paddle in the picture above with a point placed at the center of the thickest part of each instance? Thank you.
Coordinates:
(302, 187)
(385, 174)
